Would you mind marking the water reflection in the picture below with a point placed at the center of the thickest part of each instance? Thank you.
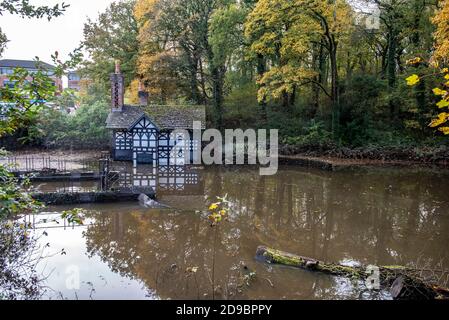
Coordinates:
(162, 179)
(371, 217)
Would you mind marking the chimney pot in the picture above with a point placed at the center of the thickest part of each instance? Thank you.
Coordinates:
(117, 67)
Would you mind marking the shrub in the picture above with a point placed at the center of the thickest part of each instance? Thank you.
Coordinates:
(84, 129)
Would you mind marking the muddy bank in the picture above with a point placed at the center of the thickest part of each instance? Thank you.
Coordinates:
(333, 164)
(333, 158)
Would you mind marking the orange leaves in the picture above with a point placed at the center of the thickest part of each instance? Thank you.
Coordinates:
(441, 34)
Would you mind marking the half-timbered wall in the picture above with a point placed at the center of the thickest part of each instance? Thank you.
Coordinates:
(172, 178)
(145, 178)
(123, 140)
(170, 156)
(145, 143)
(123, 145)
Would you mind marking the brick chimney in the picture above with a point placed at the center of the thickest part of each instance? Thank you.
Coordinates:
(117, 89)
(143, 95)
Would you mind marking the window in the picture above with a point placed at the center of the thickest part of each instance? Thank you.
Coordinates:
(9, 84)
(6, 71)
(74, 77)
(144, 140)
(136, 140)
(144, 158)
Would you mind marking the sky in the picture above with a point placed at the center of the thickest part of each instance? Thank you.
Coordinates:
(39, 37)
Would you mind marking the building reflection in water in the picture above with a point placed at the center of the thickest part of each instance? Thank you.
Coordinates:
(161, 179)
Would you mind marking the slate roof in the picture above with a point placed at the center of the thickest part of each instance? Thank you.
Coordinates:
(124, 119)
(164, 117)
(27, 64)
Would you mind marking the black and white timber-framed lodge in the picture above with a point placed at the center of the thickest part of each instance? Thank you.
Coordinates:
(143, 134)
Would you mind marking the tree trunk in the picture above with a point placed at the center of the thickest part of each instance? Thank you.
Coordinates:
(334, 88)
(391, 58)
(404, 284)
(217, 84)
(261, 69)
(194, 91)
(315, 87)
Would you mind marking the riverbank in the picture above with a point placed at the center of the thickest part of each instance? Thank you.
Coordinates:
(333, 164)
(333, 158)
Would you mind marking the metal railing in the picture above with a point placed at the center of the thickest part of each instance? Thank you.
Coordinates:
(66, 187)
(48, 164)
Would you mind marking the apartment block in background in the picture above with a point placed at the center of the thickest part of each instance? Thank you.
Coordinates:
(74, 80)
(7, 67)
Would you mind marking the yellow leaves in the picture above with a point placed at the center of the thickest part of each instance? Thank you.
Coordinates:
(443, 104)
(286, 31)
(442, 118)
(266, 44)
(439, 92)
(444, 130)
(412, 80)
(142, 8)
(441, 34)
(218, 211)
(279, 80)
(131, 93)
(414, 61)
(213, 206)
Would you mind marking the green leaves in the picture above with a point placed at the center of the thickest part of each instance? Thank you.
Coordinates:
(14, 196)
(3, 41)
(75, 216)
(113, 36)
(32, 90)
(226, 32)
(85, 128)
(27, 10)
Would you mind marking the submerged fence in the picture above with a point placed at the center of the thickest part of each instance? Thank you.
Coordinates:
(68, 175)
(49, 164)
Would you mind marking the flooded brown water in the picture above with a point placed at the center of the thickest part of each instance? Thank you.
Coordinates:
(366, 216)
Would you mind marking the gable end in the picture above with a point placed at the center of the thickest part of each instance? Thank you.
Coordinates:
(144, 122)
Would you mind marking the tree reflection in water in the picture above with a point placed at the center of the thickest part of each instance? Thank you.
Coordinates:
(383, 217)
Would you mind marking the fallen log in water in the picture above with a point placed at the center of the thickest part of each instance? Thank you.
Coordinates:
(403, 282)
